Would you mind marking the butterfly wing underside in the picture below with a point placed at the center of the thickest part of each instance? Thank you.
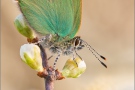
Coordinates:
(60, 17)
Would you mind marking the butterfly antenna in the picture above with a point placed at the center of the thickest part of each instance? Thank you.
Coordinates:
(92, 51)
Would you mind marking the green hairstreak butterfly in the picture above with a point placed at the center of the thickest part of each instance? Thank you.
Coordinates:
(58, 21)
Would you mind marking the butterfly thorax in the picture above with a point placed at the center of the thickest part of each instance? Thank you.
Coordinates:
(66, 47)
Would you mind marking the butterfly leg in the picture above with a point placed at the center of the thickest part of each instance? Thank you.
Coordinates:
(74, 56)
(45, 41)
(54, 65)
(74, 59)
(50, 57)
(78, 55)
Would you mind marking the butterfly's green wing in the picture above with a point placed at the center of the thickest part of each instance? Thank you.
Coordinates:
(60, 17)
(77, 17)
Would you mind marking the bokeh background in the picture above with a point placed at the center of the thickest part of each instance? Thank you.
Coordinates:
(107, 25)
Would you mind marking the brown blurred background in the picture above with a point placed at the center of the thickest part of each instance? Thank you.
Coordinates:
(107, 25)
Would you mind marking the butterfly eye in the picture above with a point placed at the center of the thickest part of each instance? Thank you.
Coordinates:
(77, 42)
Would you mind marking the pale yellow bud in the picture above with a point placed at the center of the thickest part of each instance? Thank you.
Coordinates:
(30, 54)
(74, 68)
(23, 27)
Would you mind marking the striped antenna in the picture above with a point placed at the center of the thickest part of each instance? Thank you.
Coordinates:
(93, 51)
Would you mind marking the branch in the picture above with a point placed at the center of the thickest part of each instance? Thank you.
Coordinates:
(49, 74)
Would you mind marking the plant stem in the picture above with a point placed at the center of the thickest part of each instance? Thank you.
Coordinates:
(44, 57)
(49, 79)
(48, 84)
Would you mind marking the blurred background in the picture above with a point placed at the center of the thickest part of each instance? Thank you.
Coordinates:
(107, 25)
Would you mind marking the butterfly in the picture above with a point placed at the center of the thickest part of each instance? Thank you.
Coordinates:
(58, 21)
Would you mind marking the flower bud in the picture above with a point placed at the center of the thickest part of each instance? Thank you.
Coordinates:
(30, 54)
(23, 27)
(74, 68)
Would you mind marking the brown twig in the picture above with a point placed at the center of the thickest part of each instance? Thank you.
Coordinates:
(49, 74)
